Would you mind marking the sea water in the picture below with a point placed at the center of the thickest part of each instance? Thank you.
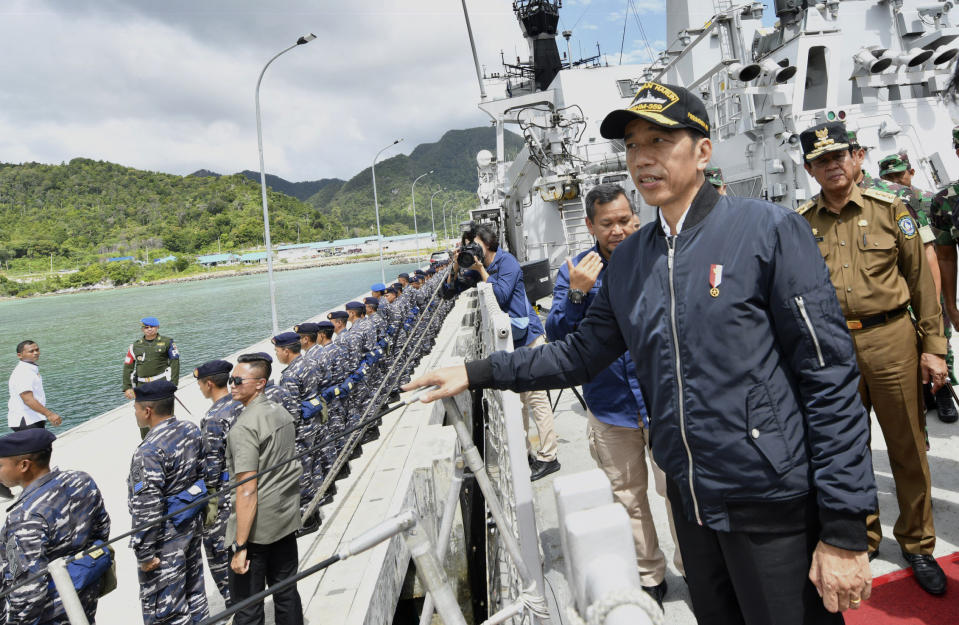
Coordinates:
(84, 337)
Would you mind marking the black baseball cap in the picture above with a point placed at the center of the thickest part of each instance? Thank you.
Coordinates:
(824, 138)
(668, 106)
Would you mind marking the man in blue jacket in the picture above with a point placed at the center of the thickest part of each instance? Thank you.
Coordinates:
(502, 271)
(748, 373)
(617, 427)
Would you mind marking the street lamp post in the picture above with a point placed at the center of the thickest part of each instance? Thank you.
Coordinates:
(446, 234)
(415, 229)
(376, 206)
(266, 213)
(432, 219)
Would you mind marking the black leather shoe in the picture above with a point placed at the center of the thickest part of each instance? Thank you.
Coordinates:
(945, 406)
(657, 592)
(530, 460)
(873, 555)
(928, 573)
(344, 472)
(310, 526)
(542, 468)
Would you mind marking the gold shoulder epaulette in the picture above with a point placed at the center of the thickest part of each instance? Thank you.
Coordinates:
(882, 196)
(804, 208)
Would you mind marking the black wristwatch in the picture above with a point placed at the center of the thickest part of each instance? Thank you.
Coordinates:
(576, 296)
(237, 547)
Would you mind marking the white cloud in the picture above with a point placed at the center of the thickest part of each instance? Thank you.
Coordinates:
(169, 86)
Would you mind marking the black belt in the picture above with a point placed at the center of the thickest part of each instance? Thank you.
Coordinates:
(875, 320)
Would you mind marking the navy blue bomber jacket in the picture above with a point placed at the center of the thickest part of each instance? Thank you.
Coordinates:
(751, 388)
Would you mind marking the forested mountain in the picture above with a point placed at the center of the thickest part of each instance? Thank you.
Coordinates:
(85, 210)
(453, 161)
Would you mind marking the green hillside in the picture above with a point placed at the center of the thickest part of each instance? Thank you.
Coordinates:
(453, 161)
(85, 209)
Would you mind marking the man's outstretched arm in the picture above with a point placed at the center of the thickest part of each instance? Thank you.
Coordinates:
(561, 364)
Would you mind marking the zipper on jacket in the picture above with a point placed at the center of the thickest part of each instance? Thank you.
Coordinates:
(815, 339)
(671, 244)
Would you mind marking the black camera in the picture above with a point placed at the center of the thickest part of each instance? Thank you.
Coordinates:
(469, 254)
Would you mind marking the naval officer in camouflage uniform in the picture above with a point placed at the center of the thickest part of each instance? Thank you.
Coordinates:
(152, 357)
(876, 263)
(299, 381)
(35, 532)
(212, 378)
(165, 469)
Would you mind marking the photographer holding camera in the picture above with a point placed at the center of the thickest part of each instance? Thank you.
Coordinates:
(480, 259)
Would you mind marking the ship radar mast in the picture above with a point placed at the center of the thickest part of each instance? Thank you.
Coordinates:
(538, 20)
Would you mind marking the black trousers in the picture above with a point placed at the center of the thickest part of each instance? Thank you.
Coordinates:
(269, 564)
(749, 578)
(23, 425)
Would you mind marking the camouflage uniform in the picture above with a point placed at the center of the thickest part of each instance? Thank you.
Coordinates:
(917, 202)
(943, 213)
(167, 463)
(325, 370)
(214, 427)
(300, 383)
(58, 514)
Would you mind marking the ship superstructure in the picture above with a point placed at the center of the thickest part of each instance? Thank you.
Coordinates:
(879, 66)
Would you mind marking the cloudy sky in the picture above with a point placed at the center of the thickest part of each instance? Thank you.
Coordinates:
(168, 85)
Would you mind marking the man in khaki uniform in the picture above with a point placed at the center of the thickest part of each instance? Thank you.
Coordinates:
(875, 260)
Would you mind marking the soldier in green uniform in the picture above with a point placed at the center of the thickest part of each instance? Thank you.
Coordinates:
(153, 357)
(942, 209)
(896, 169)
(714, 176)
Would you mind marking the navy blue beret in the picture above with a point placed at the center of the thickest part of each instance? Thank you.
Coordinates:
(150, 321)
(391, 289)
(25, 442)
(337, 314)
(372, 301)
(430, 271)
(405, 276)
(261, 356)
(379, 286)
(354, 306)
(419, 272)
(307, 328)
(324, 325)
(286, 339)
(154, 391)
(212, 368)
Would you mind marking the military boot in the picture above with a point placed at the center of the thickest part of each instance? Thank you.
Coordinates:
(945, 405)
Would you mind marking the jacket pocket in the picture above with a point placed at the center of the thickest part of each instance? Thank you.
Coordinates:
(764, 431)
(878, 251)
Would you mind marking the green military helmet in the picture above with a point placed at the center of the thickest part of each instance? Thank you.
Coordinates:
(955, 137)
(714, 176)
(894, 163)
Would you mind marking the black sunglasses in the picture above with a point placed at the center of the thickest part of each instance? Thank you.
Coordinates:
(236, 380)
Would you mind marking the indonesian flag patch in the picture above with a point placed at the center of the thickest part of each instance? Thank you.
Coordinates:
(130, 357)
(715, 279)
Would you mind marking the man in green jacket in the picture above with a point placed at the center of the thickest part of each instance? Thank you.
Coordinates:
(150, 358)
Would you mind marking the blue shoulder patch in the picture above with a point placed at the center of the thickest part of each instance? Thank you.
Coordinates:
(138, 487)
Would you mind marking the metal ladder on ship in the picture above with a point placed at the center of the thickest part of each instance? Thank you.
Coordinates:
(573, 215)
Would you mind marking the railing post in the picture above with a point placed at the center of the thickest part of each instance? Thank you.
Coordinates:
(68, 594)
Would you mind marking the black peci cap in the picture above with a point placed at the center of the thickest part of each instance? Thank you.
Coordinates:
(668, 106)
(824, 138)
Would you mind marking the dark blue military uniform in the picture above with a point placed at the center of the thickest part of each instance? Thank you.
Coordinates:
(58, 514)
(167, 464)
(214, 427)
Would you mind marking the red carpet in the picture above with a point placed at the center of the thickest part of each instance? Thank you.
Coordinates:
(898, 600)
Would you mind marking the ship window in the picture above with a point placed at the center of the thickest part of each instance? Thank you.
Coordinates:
(817, 79)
